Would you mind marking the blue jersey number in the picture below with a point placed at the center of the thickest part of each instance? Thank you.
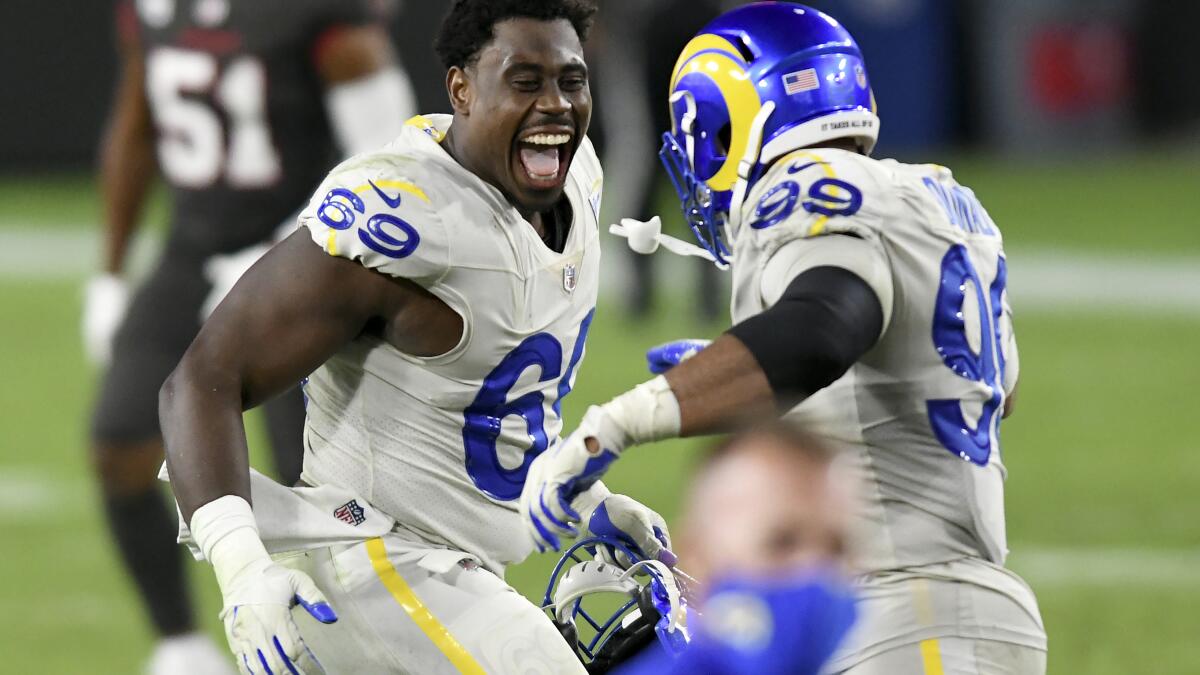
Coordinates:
(826, 197)
(970, 441)
(483, 418)
(337, 210)
(384, 233)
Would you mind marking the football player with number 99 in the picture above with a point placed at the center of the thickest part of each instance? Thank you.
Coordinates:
(869, 304)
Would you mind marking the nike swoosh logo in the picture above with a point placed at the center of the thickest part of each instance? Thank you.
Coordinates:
(392, 203)
(794, 169)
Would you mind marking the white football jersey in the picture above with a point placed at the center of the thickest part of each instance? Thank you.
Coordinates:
(922, 409)
(442, 444)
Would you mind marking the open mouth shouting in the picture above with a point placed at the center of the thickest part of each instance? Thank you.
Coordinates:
(542, 157)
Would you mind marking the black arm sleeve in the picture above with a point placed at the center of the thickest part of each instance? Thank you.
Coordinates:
(825, 321)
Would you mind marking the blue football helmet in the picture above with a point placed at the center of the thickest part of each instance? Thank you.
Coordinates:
(756, 83)
(652, 603)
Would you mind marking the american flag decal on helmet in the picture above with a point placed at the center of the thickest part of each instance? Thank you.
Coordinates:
(801, 81)
(351, 513)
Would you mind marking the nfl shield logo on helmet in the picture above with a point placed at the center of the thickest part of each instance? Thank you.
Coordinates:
(570, 277)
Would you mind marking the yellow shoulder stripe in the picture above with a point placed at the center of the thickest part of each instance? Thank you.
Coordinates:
(424, 124)
(813, 157)
(418, 612)
(394, 185)
(818, 225)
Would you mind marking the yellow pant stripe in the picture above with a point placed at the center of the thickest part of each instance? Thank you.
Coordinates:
(419, 613)
(931, 657)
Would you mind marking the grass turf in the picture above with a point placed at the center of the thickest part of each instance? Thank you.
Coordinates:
(1099, 453)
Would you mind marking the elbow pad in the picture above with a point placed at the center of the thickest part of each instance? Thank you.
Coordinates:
(823, 323)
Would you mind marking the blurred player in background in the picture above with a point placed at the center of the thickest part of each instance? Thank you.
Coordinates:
(437, 298)
(870, 305)
(640, 40)
(241, 108)
(765, 525)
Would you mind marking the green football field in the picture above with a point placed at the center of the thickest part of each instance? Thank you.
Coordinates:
(1103, 456)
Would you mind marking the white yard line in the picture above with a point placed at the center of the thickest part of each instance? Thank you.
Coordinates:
(1138, 282)
(1040, 280)
(1107, 567)
(26, 493)
(60, 254)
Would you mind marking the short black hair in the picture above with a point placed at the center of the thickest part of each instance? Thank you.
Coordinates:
(469, 26)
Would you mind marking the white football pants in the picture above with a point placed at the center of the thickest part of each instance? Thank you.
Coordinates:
(955, 656)
(406, 608)
(924, 624)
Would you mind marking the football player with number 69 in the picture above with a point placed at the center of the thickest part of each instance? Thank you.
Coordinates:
(436, 298)
(869, 305)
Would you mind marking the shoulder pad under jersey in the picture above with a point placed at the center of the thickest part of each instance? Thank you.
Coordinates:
(810, 193)
(379, 209)
(586, 164)
(588, 174)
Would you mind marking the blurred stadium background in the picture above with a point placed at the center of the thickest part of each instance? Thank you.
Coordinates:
(1078, 125)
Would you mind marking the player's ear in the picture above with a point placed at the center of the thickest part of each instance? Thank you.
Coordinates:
(458, 86)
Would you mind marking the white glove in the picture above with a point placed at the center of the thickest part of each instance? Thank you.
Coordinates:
(105, 300)
(624, 518)
(648, 412)
(563, 473)
(258, 593)
(223, 272)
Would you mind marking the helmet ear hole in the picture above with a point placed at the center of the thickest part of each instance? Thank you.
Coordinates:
(725, 138)
(743, 48)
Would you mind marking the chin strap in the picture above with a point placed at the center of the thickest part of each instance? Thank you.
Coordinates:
(646, 237)
(672, 607)
(745, 167)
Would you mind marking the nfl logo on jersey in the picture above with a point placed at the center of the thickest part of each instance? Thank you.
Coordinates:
(570, 278)
(350, 513)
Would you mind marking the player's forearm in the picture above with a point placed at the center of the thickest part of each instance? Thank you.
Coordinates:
(128, 170)
(714, 391)
(368, 96)
(720, 388)
(200, 410)
(127, 166)
(826, 319)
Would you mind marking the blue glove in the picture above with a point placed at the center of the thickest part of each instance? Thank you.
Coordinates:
(666, 356)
